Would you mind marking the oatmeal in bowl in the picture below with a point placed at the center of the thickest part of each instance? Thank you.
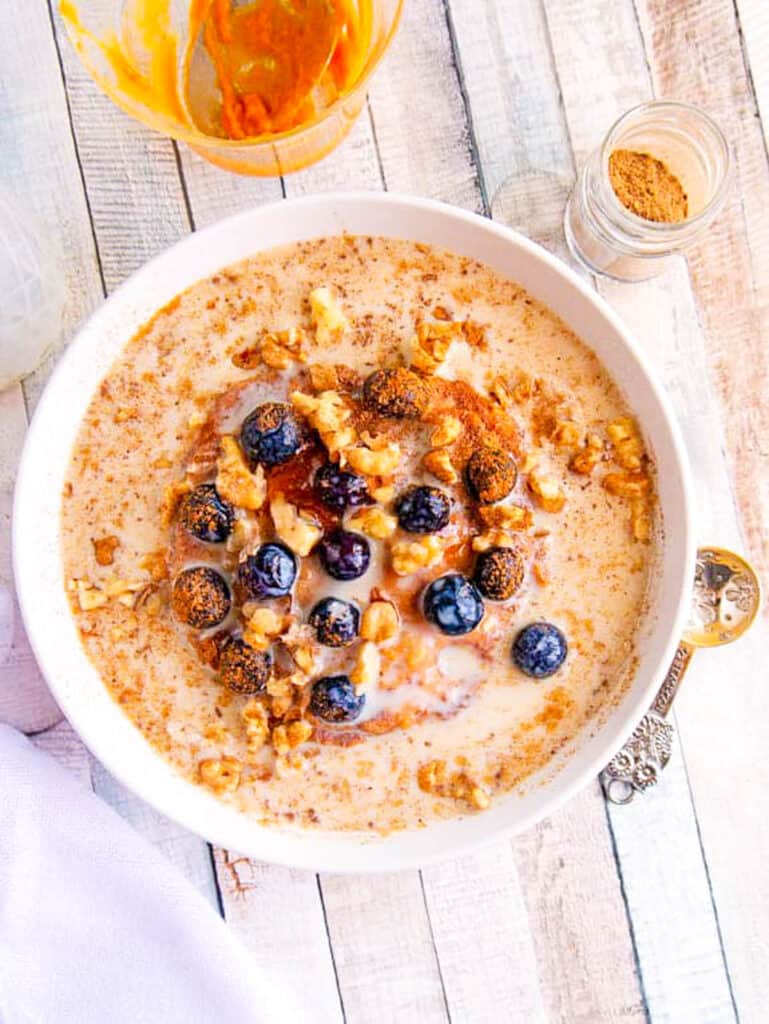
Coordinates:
(376, 543)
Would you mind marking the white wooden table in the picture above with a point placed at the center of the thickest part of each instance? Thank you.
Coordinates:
(656, 911)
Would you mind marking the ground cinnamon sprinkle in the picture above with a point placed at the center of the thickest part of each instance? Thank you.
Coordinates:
(646, 187)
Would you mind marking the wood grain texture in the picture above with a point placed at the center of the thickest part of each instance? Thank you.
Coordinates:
(63, 744)
(483, 938)
(697, 56)
(569, 880)
(754, 30)
(385, 959)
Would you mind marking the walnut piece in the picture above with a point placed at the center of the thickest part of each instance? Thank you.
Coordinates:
(172, 495)
(104, 549)
(262, 626)
(380, 622)
(506, 517)
(431, 343)
(410, 556)
(287, 737)
(627, 443)
(447, 431)
(585, 461)
(547, 491)
(438, 462)
(380, 462)
(256, 722)
(432, 778)
(293, 527)
(89, 597)
(374, 522)
(627, 485)
(234, 480)
(221, 774)
(566, 434)
(327, 316)
(328, 413)
(365, 675)
(641, 520)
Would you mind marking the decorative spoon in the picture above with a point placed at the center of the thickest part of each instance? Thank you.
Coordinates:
(725, 601)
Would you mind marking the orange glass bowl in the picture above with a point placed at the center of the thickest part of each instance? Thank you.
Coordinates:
(124, 51)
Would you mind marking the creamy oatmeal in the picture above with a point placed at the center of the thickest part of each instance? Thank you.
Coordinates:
(359, 534)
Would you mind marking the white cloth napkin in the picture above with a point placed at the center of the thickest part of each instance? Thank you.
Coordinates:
(96, 927)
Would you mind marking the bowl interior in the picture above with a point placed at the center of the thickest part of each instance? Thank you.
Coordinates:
(39, 575)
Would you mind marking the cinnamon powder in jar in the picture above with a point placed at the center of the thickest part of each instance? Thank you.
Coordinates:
(646, 187)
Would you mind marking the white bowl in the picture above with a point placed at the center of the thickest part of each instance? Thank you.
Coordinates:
(76, 685)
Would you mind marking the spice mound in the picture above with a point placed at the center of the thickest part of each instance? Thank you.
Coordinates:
(647, 187)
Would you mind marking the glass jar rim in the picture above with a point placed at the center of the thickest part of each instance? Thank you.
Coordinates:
(662, 229)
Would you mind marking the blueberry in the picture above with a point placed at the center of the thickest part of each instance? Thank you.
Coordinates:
(335, 622)
(344, 555)
(540, 649)
(205, 515)
(453, 603)
(491, 475)
(270, 572)
(200, 597)
(399, 393)
(242, 669)
(423, 509)
(334, 699)
(339, 489)
(499, 573)
(271, 434)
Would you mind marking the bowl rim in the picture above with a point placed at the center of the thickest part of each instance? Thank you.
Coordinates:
(377, 854)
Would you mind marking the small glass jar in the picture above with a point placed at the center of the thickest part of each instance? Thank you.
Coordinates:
(605, 236)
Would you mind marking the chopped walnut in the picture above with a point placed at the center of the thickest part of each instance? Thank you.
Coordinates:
(432, 778)
(172, 495)
(328, 413)
(492, 538)
(380, 462)
(447, 431)
(245, 535)
(234, 480)
(431, 343)
(293, 527)
(523, 388)
(438, 462)
(327, 316)
(500, 390)
(281, 349)
(374, 522)
(628, 446)
(156, 565)
(104, 549)
(547, 491)
(566, 434)
(262, 626)
(288, 737)
(256, 722)
(585, 461)
(89, 597)
(627, 485)
(323, 376)
(221, 774)
(383, 494)
(641, 520)
(410, 556)
(365, 675)
(197, 419)
(380, 622)
(506, 517)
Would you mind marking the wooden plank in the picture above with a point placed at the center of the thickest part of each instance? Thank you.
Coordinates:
(384, 954)
(279, 916)
(569, 879)
(698, 57)
(483, 937)
(754, 30)
(418, 113)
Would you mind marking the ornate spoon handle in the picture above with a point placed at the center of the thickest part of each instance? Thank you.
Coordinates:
(638, 764)
(725, 601)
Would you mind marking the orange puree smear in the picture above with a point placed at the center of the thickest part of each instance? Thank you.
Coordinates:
(278, 63)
